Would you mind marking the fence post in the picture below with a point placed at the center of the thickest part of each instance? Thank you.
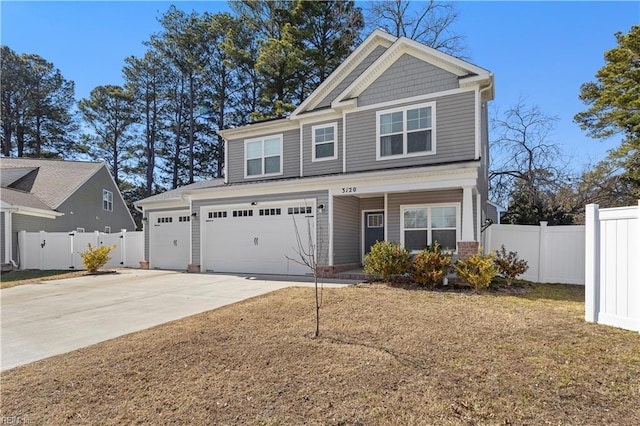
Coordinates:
(542, 258)
(592, 263)
(123, 249)
(43, 243)
(22, 249)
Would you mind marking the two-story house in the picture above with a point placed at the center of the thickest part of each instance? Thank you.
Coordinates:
(57, 196)
(392, 146)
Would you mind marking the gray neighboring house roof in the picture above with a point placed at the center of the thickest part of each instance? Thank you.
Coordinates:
(49, 181)
(176, 194)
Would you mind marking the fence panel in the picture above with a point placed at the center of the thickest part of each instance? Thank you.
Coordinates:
(61, 250)
(612, 266)
(555, 254)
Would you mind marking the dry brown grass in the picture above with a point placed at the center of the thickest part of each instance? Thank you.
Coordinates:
(385, 356)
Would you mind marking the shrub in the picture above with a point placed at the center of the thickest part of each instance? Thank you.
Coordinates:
(508, 264)
(430, 266)
(96, 257)
(477, 270)
(387, 261)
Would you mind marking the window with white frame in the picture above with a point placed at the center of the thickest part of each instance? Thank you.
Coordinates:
(324, 142)
(107, 200)
(263, 157)
(406, 132)
(423, 225)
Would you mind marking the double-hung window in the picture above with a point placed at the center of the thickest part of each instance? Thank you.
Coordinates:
(263, 157)
(107, 200)
(406, 132)
(324, 142)
(426, 224)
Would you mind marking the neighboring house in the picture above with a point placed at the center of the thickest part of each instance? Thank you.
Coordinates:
(392, 146)
(57, 196)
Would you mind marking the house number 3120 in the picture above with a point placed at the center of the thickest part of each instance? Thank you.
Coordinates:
(349, 189)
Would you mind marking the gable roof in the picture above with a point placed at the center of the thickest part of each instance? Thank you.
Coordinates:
(49, 181)
(468, 73)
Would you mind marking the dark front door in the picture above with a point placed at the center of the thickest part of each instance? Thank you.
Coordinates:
(373, 229)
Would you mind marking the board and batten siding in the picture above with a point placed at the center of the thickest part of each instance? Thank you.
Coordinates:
(322, 219)
(321, 167)
(290, 160)
(455, 135)
(346, 230)
(394, 201)
(407, 77)
(357, 71)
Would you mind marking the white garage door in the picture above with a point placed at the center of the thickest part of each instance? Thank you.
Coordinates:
(260, 239)
(169, 240)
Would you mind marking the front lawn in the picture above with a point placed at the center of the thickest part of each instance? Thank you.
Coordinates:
(15, 278)
(385, 356)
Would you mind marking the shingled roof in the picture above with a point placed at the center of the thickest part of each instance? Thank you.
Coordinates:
(42, 183)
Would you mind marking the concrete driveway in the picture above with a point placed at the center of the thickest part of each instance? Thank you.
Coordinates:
(42, 320)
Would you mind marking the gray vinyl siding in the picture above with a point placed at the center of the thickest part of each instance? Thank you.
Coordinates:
(323, 167)
(2, 250)
(407, 77)
(346, 230)
(394, 201)
(322, 219)
(290, 160)
(146, 226)
(377, 52)
(372, 203)
(87, 208)
(455, 135)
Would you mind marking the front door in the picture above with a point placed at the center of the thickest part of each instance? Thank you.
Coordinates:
(373, 229)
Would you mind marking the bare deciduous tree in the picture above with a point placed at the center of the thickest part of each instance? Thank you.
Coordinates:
(429, 22)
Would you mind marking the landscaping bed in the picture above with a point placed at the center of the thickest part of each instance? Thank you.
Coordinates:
(386, 355)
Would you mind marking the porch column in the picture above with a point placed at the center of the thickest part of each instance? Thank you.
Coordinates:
(467, 215)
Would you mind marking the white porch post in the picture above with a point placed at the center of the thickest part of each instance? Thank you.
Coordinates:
(467, 214)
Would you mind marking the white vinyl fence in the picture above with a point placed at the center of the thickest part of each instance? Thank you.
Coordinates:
(612, 288)
(555, 254)
(61, 250)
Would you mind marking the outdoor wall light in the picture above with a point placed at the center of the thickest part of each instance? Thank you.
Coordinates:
(144, 219)
(194, 214)
(254, 203)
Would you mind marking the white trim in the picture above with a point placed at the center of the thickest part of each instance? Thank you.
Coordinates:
(255, 130)
(429, 228)
(375, 39)
(262, 140)
(363, 228)
(8, 222)
(333, 125)
(386, 215)
(344, 141)
(405, 147)
(414, 99)
(406, 46)
(204, 210)
(108, 200)
(477, 127)
(330, 225)
(226, 160)
(301, 150)
(151, 222)
(467, 214)
(478, 216)
(30, 211)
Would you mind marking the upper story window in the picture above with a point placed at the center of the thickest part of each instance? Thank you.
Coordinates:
(107, 200)
(406, 132)
(324, 142)
(263, 156)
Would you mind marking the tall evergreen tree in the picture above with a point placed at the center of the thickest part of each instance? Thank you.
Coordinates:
(37, 104)
(110, 112)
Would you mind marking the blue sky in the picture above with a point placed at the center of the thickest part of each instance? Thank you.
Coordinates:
(542, 51)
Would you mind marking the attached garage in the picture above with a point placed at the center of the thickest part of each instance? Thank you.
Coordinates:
(261, 238)
(169, 239)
